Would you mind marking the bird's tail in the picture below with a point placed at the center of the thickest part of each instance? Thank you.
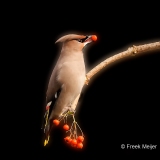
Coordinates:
(47, 122)
(47, 133)
(46, 126)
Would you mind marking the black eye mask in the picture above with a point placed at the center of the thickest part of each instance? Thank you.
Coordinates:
(82, 40)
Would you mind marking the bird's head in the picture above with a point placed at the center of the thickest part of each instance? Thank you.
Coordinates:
(77, 41)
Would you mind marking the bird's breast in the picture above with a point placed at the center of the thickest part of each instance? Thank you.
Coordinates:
(71, 72)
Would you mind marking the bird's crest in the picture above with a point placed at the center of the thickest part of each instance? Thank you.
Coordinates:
(70, 37)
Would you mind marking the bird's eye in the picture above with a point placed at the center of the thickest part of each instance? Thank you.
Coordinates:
(79, 40)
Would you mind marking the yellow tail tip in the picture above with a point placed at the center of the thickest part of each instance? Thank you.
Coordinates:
(45, 142)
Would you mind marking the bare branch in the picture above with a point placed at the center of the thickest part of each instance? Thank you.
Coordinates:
(134, 50)
(130, 52)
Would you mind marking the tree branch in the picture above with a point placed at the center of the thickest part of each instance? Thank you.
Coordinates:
(130, 52)
(134, 50)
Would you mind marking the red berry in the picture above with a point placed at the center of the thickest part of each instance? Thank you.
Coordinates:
(94, 37)
(79, 145)
(66, 127)
(56, 122)
(67, 139)
(80, 139)
(73, 145)
(74, 142)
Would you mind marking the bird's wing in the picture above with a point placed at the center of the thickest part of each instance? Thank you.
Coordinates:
(51, 97)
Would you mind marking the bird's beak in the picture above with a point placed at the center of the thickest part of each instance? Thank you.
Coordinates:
(90, 39)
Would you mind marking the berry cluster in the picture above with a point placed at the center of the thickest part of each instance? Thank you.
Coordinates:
(76, 143)
(73, 140)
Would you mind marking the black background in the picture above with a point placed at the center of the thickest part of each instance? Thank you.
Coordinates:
(120, 104)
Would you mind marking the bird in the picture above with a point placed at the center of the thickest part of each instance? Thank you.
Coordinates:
(67, 78)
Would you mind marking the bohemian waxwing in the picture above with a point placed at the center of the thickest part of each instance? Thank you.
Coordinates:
(67, 78)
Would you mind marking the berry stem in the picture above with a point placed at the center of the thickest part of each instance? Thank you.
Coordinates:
(75, 131)
(80, 129)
